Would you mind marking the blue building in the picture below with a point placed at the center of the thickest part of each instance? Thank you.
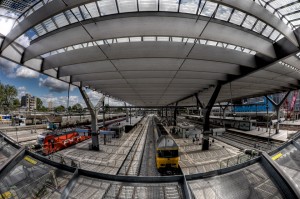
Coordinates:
(261, 106)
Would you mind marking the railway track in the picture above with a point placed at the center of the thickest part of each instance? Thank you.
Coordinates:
(246, 142)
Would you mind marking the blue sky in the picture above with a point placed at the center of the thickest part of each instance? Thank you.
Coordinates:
(42, 86)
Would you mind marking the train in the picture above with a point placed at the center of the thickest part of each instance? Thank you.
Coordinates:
(228, 122)
(167, 151)
(51, 142)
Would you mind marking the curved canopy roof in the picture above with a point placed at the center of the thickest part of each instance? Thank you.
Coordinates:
(158, 52)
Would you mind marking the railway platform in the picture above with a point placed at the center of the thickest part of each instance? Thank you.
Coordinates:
(110, 157)
(283, 135)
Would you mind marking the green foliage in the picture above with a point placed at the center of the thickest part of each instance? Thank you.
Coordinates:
(39, 104)
(8, 96)
(60, 108)
(77, 108)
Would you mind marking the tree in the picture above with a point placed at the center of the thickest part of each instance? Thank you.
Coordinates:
(16, 103)
(77, 107)
(60, 108)
(39, 104)
(7, 95)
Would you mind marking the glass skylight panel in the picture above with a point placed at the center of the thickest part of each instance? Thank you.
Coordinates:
(280, 37)
(289, 9)
(209, 9)
(274, 35)
(246, 50)
(31, 34)
(49, 25)
(268, 30)
(279, 3)
(107, 7)
(293, 16)
(229, 46)
(296, 23)
(92, 8)
(177, 39)
(163, 38)
(123, 40)
(135, 39)
(127, 5)
(148, 5)
(212, 43)
(259, 26)
(189, 6)
(85, 13)
(149, 38)
(237, 17)
(77, 13)
(168, 5)
(223, 12)
(40, 29)
(101, 42)
(60, 20)
(70, 16)
(249, 22)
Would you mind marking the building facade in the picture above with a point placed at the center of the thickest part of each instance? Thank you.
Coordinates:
(28, 102)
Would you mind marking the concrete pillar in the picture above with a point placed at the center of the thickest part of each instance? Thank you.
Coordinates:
(175, 114)
(94, 118)
(206, 113)
(127, 119)
(277, 108)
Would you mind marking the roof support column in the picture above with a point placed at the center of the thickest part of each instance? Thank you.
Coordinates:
(175, 114)
(206, 113)
(277, 108)
(94, 117)
(126, 112)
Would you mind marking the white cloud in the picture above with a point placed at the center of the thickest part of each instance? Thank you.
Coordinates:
(8, 67)
(6, 24)
(22, 90)
(54, 85)
(62, 100)
(26, 73)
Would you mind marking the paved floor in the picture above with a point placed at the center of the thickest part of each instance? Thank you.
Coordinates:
(109, 158)
(25, 137)
(252, 182)
(194, 160)
(262, 132)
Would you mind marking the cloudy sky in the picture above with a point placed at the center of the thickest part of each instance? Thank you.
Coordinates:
(39, 85)
(42, 86)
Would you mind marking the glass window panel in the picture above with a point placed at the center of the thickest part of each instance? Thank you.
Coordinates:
(127, 5)
(49, 25)
(268, 30)
(85, 13)
(270, 9)
(289, 9)
(280, 37)
(38, 6)
(70, 48)
(209, 9)
(202, 41)
(77, 13)
(238, 48)
(108, 41)
(101, 42)
(135, 39)
(163, 38)
(274, 35)
(220, 44)
(92, 8)
(149, 38)
(229, 46)
(189, 6)
(246, 50)
(211, 43)
(237, 17)
(70, 16)
(293, 16)
(177, 39)
(279, 3)
(40, 29)
(60, 20)
(107, 7)
(259, 26)
(223, 12)
(31, 34)
(60, 50)
(123, 40)
(252, 52)
(168, 5)
(190, 40)
(148, 5)
(202, 3)
(249, 22)
(296, 23)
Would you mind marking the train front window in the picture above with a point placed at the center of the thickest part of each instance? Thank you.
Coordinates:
(167, 153)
